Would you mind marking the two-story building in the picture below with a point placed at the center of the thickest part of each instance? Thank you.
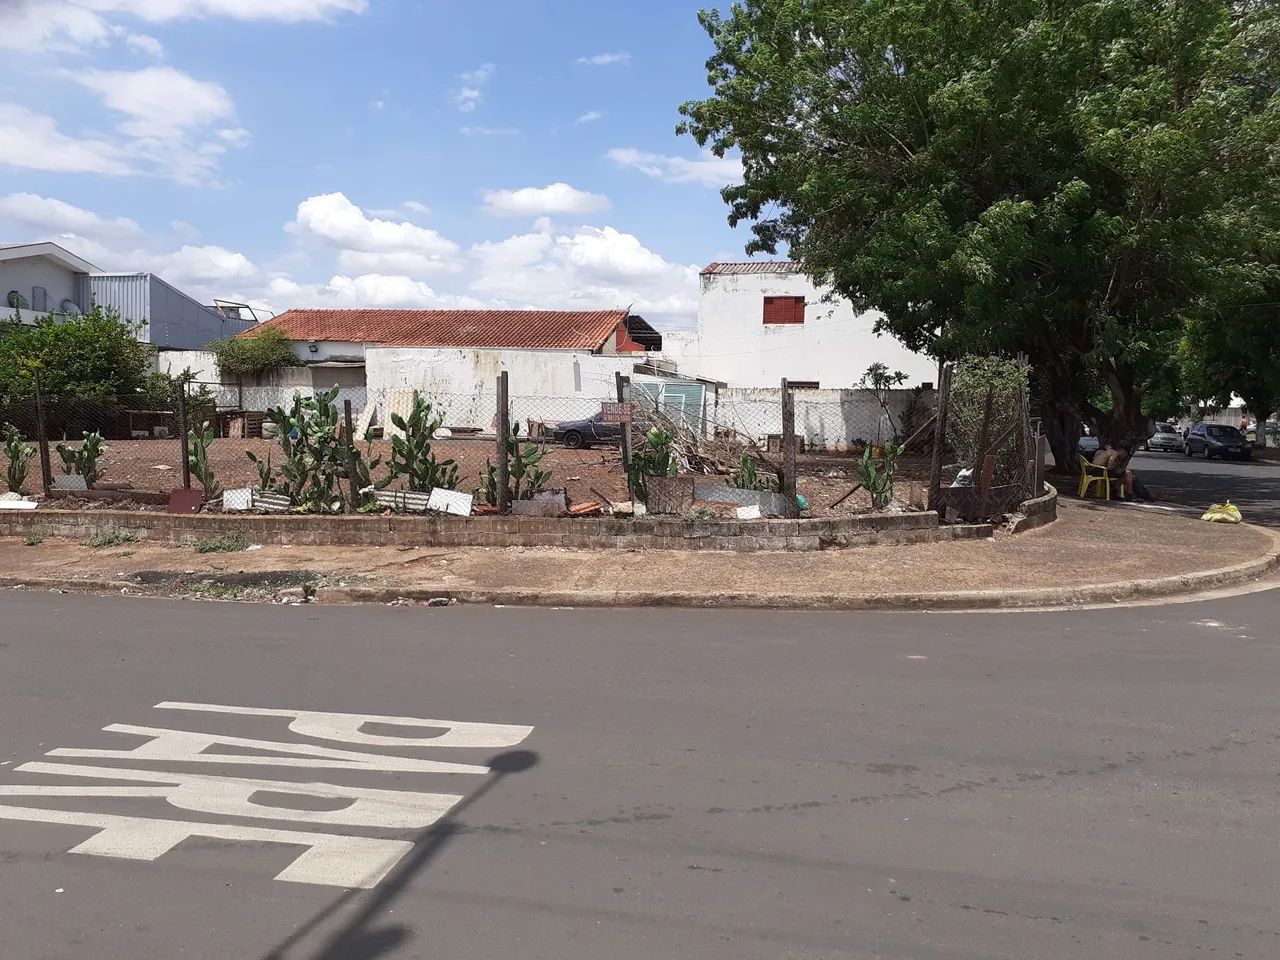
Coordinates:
(764, 320)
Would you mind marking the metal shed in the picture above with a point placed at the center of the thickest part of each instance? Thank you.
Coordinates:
(167, 318)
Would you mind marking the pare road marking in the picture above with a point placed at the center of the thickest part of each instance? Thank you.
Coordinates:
(329, 858)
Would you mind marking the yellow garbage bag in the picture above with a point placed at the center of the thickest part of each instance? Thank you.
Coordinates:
(1223, 513)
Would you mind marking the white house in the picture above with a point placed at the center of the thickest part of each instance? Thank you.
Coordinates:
(38, 279)
(764, 320)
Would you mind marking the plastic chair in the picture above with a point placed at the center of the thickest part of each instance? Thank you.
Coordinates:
(1093, 475)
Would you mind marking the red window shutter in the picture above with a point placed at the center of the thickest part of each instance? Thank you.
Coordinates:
(784, 309)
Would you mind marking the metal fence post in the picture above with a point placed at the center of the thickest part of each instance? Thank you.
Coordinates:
(42, 438)
(789, 451)
(504, 439)
(624, 394)
(182, 434)
(939, 437)
(354, 502)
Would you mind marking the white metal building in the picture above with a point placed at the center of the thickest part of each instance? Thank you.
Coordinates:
(764, 320)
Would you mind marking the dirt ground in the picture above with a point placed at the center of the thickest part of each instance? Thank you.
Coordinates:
(156, 465)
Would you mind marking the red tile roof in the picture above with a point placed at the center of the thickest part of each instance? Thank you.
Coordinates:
(494, 329)
(753, 266)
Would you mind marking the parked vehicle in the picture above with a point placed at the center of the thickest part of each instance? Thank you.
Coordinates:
(1087, 446)
(1272, 432)
(1166, 438)
(576, 434)
(1217, 440)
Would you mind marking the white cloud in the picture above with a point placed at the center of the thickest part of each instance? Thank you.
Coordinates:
(591, 116)
(160, 101)
(145, 43)
(470, 91)
(706, 168)
(203, 266)
(489, 131)
(33, 141)
(47, 216)
(556, 198)
(605, 59)
(235, 136)
(369, 243)
(70, 25)
(378, 105)
(415, 207)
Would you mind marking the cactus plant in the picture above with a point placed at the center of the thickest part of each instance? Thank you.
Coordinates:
(83, 460)
(19, 455)
(411, 455)
(198, 443)
(524, 476)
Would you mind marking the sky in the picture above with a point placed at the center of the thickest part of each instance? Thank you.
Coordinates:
(369, 153)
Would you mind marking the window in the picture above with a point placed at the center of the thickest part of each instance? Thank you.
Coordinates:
(784, 309)
(803, 384)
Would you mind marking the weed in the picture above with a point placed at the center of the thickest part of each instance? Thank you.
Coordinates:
(110, 538)
(228, 543)
(33, 539)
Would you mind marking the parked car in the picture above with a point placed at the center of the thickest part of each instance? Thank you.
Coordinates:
(1087, 446)
(1217, 440)
(1166, 438)
(576, 434)
(1272, 431)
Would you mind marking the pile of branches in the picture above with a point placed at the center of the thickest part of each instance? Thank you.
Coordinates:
(717, 455)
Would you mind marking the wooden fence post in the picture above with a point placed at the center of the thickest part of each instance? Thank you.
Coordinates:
(789, 451)
(939, 438)
(182, 434)
(504, 438)
(624, 395)
(354, 502)
(42, 438)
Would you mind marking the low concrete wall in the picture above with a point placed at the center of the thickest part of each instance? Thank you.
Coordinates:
(1036, 513)
(650, 533)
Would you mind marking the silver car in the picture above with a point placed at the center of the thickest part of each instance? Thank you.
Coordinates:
(1166, 439)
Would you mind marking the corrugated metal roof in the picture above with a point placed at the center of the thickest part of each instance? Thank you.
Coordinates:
(494, 329)
(753, 266)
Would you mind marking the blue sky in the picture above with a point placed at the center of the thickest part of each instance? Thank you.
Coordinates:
(368, 152)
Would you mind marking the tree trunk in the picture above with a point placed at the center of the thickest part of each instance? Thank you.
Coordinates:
(1125, 425)
(1062, 429)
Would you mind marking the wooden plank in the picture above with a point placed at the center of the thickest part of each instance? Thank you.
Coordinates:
(789, 451)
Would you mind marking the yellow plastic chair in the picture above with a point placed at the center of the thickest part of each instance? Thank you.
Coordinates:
(1093, 475)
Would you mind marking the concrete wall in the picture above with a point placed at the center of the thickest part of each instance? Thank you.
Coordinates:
(834, 346)
(202, 363)
(827, 419)
(59, 283)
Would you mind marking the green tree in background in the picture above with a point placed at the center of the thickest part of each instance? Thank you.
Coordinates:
(1072, 181)
(263, 351)
(94, 357)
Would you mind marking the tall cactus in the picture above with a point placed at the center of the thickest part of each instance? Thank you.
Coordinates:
(411, 455)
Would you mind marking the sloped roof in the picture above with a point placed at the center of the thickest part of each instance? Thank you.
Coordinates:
(494, 329)
(752, 266)
(20, 251)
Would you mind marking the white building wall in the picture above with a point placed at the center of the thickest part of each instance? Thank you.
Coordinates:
(835, 420)
(24, 274)
(547, 385)
(202, 363)
(834, 346)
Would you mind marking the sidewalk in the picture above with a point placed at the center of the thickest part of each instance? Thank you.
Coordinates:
(1093, 553)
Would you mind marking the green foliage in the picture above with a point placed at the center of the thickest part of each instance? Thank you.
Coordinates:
(748, 476)
(198, 443)
(411, 455)
(229, 543)
(878, 381)
(83, 460)
(1070, 181)
(973, 380)
(33, 539)
(315, 454)
(110, 537)
(19, 456)
(524, 476)
(255, 353)
(876, 474)
(95, 357)
(653, 456)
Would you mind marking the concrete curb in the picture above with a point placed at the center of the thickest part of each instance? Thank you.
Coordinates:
(1190, 583)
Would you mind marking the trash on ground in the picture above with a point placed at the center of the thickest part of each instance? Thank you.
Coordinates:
(1223, 513)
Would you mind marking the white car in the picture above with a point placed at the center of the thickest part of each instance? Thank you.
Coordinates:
(1166, 438)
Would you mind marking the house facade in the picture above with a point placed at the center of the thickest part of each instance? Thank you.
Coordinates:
(761, 321)
(38, 279)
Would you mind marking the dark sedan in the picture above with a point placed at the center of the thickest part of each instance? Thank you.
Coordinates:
(1217, 440)
(576, 434)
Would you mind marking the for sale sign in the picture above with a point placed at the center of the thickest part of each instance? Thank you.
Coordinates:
(617, 412)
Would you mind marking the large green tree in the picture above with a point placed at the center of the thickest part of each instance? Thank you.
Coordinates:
(1066, 179)
(94, 357)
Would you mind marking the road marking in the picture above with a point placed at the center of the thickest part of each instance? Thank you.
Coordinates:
(331, 859)
(232, 796)
(188, 747)
(345, 727)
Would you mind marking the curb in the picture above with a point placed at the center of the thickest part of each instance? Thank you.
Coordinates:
(1189, 583)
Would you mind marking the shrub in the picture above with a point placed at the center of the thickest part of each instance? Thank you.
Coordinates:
(654, 456)
(110, 538)
(876, 474)
(228, 543)
(972, 381)
(748, 476)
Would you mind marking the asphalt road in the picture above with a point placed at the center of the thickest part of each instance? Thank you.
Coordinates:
(696, 784)
(1254, 487)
